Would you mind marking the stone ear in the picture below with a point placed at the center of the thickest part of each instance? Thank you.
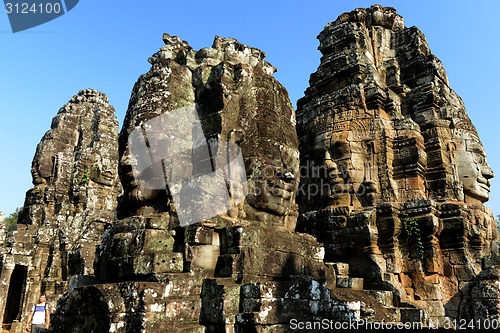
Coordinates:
(369, 146)
(452, 147)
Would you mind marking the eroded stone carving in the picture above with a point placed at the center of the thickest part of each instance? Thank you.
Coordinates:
(237, 102)
(388, 146)
(75, 177)
(481, 301)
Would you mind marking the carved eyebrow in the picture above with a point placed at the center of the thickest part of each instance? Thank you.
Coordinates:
(478, 150)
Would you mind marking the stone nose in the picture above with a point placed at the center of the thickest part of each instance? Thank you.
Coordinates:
(487, 172)
(285, 174)
(330, 166)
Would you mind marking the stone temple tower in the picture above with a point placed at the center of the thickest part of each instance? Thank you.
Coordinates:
(397, 175)
(75, 178)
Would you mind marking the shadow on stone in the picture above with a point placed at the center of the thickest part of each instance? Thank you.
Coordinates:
(83, 310)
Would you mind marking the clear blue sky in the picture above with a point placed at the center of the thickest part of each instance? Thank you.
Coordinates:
(105, 45)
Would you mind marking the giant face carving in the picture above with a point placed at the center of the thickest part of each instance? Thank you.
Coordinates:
(255, 105)
(273, 177)
(237, 102)
(344, 169)
(333, 161)
(473, 169)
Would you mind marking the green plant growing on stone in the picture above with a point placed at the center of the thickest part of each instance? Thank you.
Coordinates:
(11, 220)
(41, 193)
(410, 226)
(85, 179)
(497, 221)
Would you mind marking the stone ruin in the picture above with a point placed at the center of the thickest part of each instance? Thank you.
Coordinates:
(381, 218)
(76, 184)
(396, 173)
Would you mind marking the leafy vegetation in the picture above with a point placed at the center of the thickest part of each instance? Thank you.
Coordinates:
(41, 193)
(85, 179)
(11, 220)
(497, 220)
(410, 226)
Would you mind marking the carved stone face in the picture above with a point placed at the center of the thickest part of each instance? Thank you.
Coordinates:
(332, 159)
(473, 170)
(237, 101)
(146, 104)
(273, 177)
(344, 168)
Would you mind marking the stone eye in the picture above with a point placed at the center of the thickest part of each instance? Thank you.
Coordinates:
(284, 174)
(479, 158)
(340, 150)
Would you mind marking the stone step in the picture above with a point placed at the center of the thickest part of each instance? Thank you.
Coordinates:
(384, 297)
(412, 315)
(152, 327)
(349, 282)
(183, 287)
